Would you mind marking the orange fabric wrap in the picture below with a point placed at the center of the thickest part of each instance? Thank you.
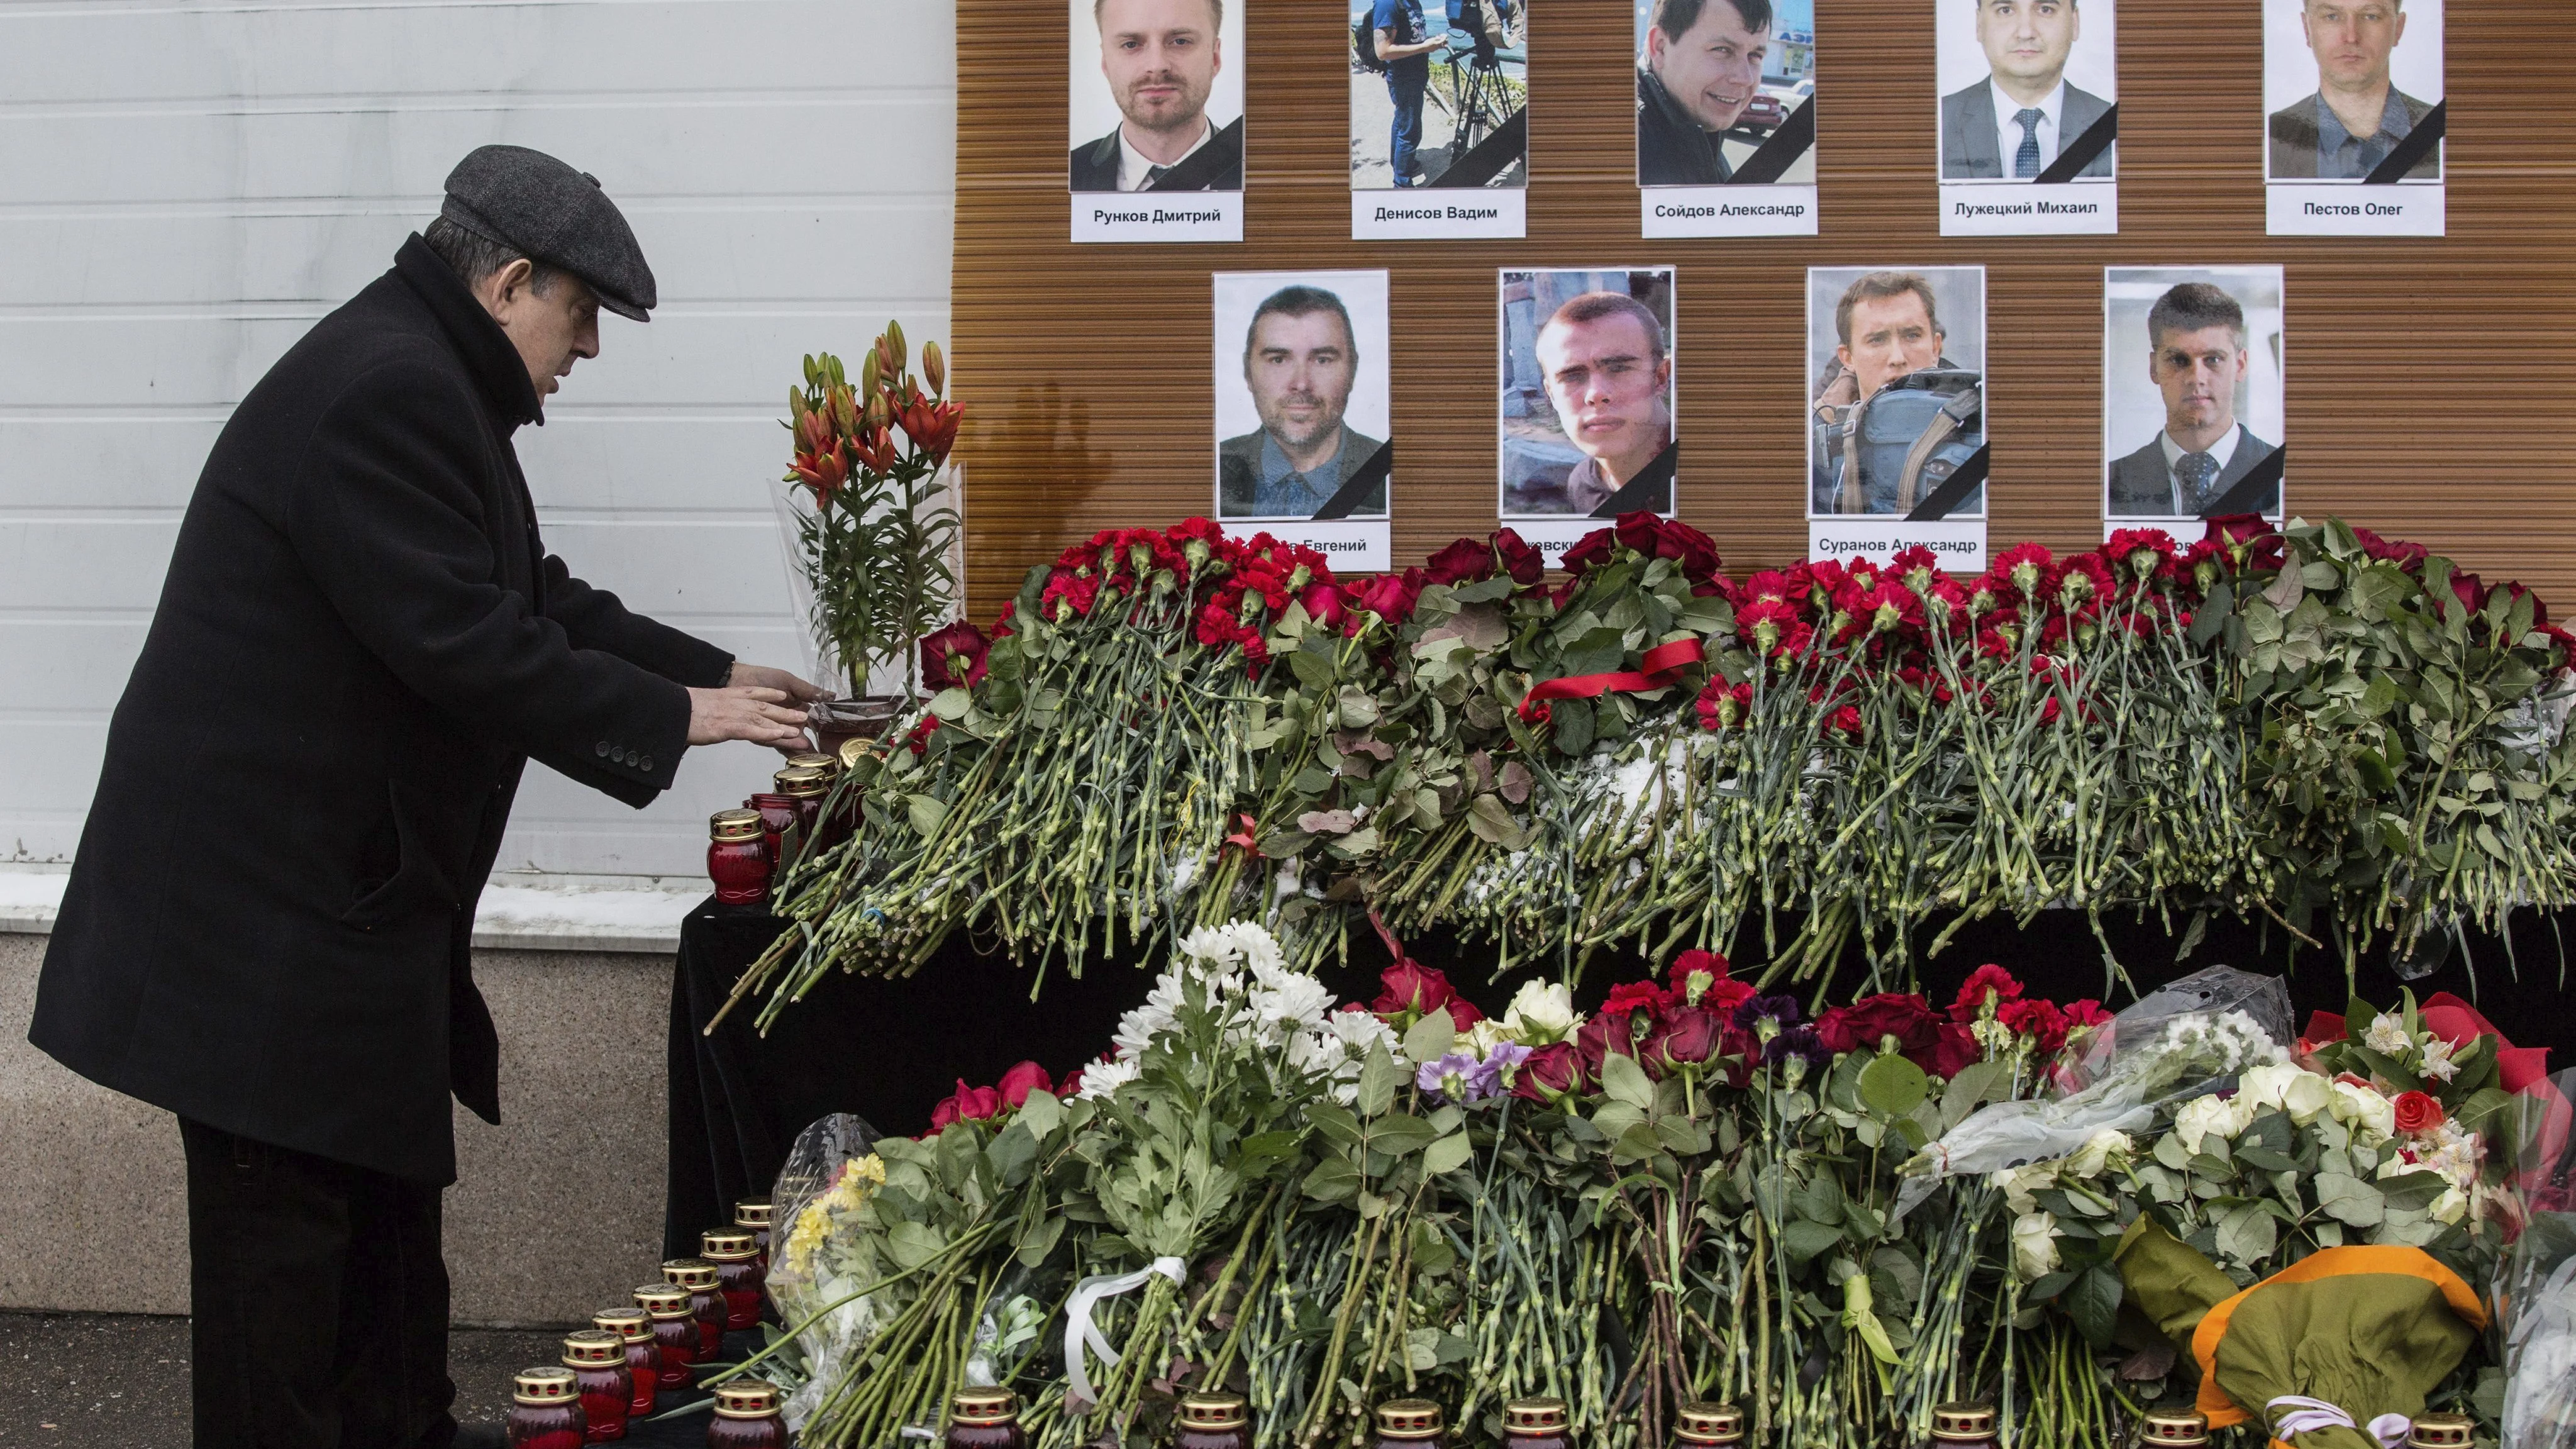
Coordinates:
(2221, 1410)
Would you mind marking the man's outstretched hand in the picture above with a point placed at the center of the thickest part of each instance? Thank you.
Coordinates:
(761, 676)
(747, 712)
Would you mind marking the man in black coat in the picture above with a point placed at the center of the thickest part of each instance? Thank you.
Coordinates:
(360, 642)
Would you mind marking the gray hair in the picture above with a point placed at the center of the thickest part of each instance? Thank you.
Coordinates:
(473, 256)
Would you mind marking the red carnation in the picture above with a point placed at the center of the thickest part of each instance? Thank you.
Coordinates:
(1696, 973)
(1724, 706)
(1021, 1080)
(1628, 996)
(2039, 1020)
(967, 1104)
(2417, 1113)
(1972, 996)
(954, 657)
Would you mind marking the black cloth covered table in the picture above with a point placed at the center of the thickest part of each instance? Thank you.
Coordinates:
(890, 1050)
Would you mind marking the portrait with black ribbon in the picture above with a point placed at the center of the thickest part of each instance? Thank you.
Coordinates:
(1303, 431)
(1896, 397)
(2192, 394)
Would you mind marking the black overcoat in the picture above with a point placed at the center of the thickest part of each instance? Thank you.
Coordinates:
(359, 644)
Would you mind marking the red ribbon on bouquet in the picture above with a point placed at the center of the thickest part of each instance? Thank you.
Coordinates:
(1656, 669)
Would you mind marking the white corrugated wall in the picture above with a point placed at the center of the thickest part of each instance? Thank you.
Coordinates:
(186, 187)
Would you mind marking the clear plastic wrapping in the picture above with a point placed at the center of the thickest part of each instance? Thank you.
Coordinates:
(2535, 1285)
(829, 1177)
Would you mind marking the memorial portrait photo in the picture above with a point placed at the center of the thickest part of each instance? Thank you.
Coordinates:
(2353, 89)
(2192, 393)
(1586, 423)
(1896, 361)
(1155, 95)
(1439, 94)
(2028, 89)
(1302, 409)
(1725, 92)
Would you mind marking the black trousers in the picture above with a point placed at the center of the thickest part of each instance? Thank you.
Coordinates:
(318, 1298)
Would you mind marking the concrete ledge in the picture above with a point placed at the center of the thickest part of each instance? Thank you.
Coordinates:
(556, 1212)
(518, 912)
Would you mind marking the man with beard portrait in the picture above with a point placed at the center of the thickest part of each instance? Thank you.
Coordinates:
(1300, 356)
(1161, 59)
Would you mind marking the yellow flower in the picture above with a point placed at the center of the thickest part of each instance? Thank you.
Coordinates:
(812, 1226)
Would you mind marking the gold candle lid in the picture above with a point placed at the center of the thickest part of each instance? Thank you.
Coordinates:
(690, 1273)
(1534, 1416)
(801, 782)
(734, 825)
(984, 1406)
(548, 1385)
(1958, 1423)
(751, 1213)
(826, 765)
(746, 1399)
(1408, 1419)
(2174, 1426)
(855, 749)
(2440, 1431)
(661, 1300)
(1211, 1410)
(728, 1245)
(594, 1348)
(631, 1325)
(1706, 1423)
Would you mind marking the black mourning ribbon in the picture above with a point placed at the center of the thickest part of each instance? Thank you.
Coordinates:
(1491, 156)
(2410, 153)
(2255, 492)
(1954, 490)
(1356, 488)
(2071, 161)
(1777, 154)
(1202, 168)
(1651, 491)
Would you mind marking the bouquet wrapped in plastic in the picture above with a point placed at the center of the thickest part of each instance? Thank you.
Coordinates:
(2535, 1288)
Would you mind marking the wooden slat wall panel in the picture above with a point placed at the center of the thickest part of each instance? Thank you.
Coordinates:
(2422, 398)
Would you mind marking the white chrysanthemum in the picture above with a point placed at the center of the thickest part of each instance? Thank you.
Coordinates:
(1284, 1001)
(1236, 943)
(1102, 1078)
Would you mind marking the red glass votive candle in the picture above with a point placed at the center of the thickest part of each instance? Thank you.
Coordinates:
(1700, 1422)
(706, 1301)
(1213, 1421)
(1537, 1423)
(597, 1359)
(675, 1330)
(738, 858)
(983, 1418)
(1964, 1425)
(634, 1329)
(545, 1410)
(806, 786)
(779, 830)
(752, 1216)
(1409, 1424)
(738, 1275)
(746, 1417)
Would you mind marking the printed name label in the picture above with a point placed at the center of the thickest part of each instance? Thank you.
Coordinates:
(2349, 208)
(1552, 535)
(1360, 545)
(1156, 216)
(1425, 213)
(1727, 210)
(2022, 208)
(1959, 544)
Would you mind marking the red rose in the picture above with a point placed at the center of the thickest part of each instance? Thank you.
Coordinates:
(1463, 1013)
(2039, 1020)
(1525, 564)
(953, 658)
(2249, 538)
(968, 1104)
(1391, 596)
(1021, 1080)
(1591, 552)
(2472, 593)
(1695, 551)
(1685, 1037)
(1609, 1033)
(2417, 1113)
(1956, 1051)
(1972, 996)
(1323, 604)
(1550, 1072)
(1462, 562)
(1861, 1026)
(1410, 986)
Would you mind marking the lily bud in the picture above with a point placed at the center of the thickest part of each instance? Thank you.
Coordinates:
(878, 413)
(934, 367)
(868, 373)
(894, 344)
(843, 414)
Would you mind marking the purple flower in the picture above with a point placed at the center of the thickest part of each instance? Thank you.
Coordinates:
(1500, 1069)
(1801, 1045)
(1460, 1077)
(1781, 1010)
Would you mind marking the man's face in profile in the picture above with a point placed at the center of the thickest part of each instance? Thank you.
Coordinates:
(1714, 69)
(1891, 336)
(2352, 39)
(2027, 41)
(1161, 58)
(1607, 384)
(2198, 373)
(1300, 369)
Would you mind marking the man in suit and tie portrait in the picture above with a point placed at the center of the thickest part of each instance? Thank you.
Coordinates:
(1161, 59)
(2012, 125)
(2198, 361)
(2357, 115)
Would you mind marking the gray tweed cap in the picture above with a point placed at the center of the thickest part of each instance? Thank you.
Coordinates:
(536, 204)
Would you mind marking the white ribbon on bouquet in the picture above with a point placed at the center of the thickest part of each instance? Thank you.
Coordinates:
(2391, 1430)
(1079, 1331)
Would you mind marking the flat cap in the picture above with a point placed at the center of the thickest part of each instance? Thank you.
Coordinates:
(537, 205)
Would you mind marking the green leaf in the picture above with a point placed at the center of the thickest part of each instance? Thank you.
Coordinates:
(1333, 1121)
(1893, 1086)
(1380, 1075)
(1041, 1113)
(1431, 1038)
(2409, 1191)
(1039, 1240)
(1333, 1180)
(1314, 671)
(913, 1244)
(925, 812)
(2249, 1234)
(1011, 1153)
(1625, 1081)
(2350, 1200)
(1448, 1154)
(2481, 1105)
(1599, 651)
(1399, 1133)
(951, 704)
(1636, 1144)
(1804, 1238)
